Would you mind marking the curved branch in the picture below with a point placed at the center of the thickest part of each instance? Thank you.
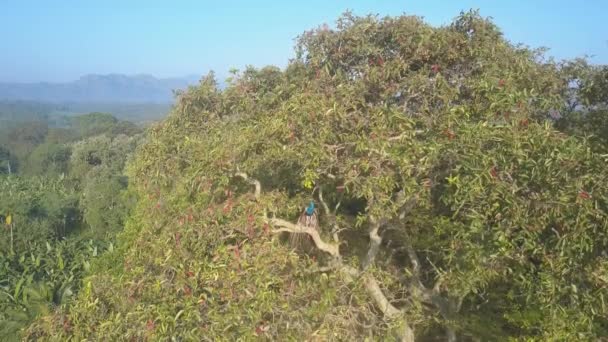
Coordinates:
(374, 243)
(432, 296)
(349, 273)
(286, 226)
(252, 181)
(374, 291)
(325, 206)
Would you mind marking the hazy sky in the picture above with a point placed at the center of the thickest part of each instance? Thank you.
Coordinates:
(59, 40)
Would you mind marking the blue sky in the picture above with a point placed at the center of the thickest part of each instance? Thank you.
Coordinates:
(59, 40)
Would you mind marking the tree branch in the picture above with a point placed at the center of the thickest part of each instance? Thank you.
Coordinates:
(325, 206)
(374, 291)
(252, 181)
(382, 302)
(349, 273)
(374, 243)
(286, 226)
(432, 296)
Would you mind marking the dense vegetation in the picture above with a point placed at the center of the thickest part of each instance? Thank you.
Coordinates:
(62, 200)
(57, 114)
(460, 182)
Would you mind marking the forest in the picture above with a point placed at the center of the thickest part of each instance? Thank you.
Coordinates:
(63, 198)
(395, 181)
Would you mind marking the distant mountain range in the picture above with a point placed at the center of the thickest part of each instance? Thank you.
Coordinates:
(111, 88)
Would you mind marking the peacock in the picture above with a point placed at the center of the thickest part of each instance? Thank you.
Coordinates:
(308, 218)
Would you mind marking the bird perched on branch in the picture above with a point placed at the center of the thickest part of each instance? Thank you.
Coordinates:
(308, 218)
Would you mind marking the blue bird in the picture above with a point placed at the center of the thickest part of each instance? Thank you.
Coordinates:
(308, 218)
(310, 209)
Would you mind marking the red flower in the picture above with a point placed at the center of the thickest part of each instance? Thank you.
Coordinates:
(501, 83)
(228, 206)
(435, 68)
(177, 239)
(524, 123)
(187, 290)
(448, 133)
(266, 228)
(67, 325)
(494, 172)
(250, 232)
(150, 325)
(584, 194)
(190, 274)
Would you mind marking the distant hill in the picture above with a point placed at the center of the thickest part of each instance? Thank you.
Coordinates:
(111, 88)
(55, 113)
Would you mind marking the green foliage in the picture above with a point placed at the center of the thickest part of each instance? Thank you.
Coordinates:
(587, 95)
(494, 223)
(48, 158)
(37, 270)
(36, 281)
(42, 209)
(7, 161)
(97, 165)
(64, 210)
(35, 148)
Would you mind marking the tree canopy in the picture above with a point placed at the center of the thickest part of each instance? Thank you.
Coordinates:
(62, 199)
(456, 198)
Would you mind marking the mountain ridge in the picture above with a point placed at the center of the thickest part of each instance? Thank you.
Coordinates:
(99, 88)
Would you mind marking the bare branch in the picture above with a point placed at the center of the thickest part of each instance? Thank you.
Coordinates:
(337, 206)
(413, 259)
(432, 296)
(388, 309)
(349, 273)
(286, 226)
(339, 203)
(374, 243)
(376, 293)
(374, 290)
(252, 181)
(325, 207)
(407, 207)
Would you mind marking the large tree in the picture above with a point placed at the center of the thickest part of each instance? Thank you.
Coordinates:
(449, 204)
